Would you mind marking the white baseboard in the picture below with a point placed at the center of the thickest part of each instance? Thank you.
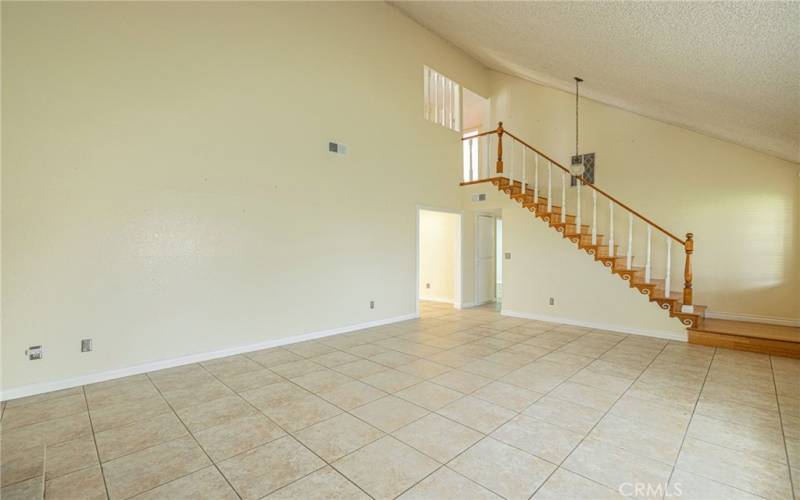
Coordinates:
(465, 305)
(752, 318)
(33, 389)
(435, 298)
(661, 334)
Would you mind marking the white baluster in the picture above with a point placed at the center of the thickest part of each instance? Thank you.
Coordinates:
(610, 228)
(549, 187)
(491, 164)
(563, 198)
(668, 277)
(445, 103)
(647, 259)
(469, 145)
(536, 180)
(594, 217)
(511, 161)
(443, 94)
(578, 208)
(488, 146)
(450, 104)
(426, 90)
(435, 98)
(524, 174)
(629, 254)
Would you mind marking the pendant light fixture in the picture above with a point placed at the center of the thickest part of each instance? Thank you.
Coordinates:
(576, 167)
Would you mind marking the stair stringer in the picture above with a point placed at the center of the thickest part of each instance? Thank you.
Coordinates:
(544, 264)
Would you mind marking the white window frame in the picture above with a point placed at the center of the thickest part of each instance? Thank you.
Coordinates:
(442, 99)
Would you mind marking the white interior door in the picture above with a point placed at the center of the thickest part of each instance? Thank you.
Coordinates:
(485, 260)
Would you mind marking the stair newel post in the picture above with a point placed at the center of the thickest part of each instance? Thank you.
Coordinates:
(499, 147)
(536, 180)
(629, 254)
(578, 208)
(524, 175)
(668, 276)
(647, 258)
(687, 275)
(610, 228)
(549, 186)
(563, 198)
(594, 217)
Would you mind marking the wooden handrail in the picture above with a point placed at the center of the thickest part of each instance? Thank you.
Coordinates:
(468, 137)
(500, 131)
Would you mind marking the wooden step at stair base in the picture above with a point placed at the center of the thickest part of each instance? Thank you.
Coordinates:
(745, 336)
(691, 320)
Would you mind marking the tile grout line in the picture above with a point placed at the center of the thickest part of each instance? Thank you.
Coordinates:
(783, 431)
(147, 375)
(689, 424)
(94, 440)
(586, 435)
(728, 447)
(287, 433)
(174, 412)
(517, 413)
(513, 411)
(409, 423)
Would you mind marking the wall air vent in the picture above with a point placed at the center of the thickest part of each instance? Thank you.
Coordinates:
(479, 197)
(337, 148)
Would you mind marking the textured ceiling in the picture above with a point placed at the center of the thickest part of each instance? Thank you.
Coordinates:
(727, 69)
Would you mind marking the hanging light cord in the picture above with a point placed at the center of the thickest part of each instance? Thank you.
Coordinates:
(577, 81)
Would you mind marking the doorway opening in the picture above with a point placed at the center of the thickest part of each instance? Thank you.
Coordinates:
(438, 259)
(485, 259)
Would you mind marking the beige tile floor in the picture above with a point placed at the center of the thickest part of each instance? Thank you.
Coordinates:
(458, 404)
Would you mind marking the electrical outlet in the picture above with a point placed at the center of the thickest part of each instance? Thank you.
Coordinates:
(86, 345)
(508, 255)
(552, 301)
(427, 285)
(34, 352)
(372, 304)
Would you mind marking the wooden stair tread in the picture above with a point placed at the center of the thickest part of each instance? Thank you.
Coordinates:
(748, 329)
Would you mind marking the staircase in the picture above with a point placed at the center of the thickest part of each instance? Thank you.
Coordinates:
(599, 249)
(540, 185)
(565, 214)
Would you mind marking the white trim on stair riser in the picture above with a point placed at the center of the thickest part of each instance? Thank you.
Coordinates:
(751, 318)
(661, 334)
(33, 389)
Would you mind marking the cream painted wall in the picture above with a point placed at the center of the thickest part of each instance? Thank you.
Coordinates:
(438, 255)
(167, 188)
(544, 265)
(742, 206)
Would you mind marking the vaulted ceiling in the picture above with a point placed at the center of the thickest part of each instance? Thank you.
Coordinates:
(730, 70)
